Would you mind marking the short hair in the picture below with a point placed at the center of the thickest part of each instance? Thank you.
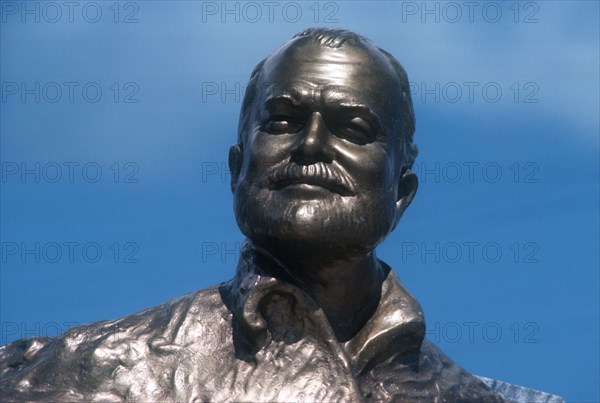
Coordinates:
(335, 38)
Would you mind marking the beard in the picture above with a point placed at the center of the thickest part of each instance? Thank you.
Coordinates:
(330, 223)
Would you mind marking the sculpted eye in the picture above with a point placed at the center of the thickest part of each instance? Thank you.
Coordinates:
(282, 124)
(357, 131)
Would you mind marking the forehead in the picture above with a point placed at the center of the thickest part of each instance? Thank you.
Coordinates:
(309, 72)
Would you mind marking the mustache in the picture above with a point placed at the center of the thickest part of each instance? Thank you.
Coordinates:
(319, 174)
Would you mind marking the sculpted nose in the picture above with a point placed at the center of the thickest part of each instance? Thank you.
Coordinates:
(313, 144)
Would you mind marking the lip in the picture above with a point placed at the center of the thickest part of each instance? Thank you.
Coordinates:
(312, 182)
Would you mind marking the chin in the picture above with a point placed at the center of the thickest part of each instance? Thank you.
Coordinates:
(329, 224)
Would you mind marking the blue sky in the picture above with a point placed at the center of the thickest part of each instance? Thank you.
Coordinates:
(116, 119)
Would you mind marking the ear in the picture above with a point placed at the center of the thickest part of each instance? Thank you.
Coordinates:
(235, 164)
(407, 188)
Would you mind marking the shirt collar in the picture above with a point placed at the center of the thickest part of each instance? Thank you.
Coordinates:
(397, 328)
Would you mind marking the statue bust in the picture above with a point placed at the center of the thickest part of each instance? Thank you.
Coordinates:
(321, 174)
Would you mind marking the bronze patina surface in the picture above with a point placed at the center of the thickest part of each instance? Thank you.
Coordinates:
(321, 174)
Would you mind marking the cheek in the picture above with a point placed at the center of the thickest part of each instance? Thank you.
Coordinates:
(262, 152)
(268, 148)
(375, 167)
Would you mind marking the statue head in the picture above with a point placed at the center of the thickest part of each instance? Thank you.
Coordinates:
(325, 145)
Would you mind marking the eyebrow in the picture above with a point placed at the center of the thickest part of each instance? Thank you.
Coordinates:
(283, 98)
(291, 95)
(290, 99)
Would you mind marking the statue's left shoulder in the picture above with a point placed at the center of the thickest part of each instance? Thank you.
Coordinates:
(456, 383)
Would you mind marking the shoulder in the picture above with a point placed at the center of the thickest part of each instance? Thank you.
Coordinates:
(456, 383)
(87, 357)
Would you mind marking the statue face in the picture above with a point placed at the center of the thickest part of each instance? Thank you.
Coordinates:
(320, 166)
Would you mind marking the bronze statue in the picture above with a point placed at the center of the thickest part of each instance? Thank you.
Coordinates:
(320, 176)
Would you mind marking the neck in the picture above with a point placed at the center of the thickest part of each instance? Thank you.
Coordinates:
(346, 285)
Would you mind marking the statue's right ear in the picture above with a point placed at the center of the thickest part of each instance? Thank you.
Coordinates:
(235, 164)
